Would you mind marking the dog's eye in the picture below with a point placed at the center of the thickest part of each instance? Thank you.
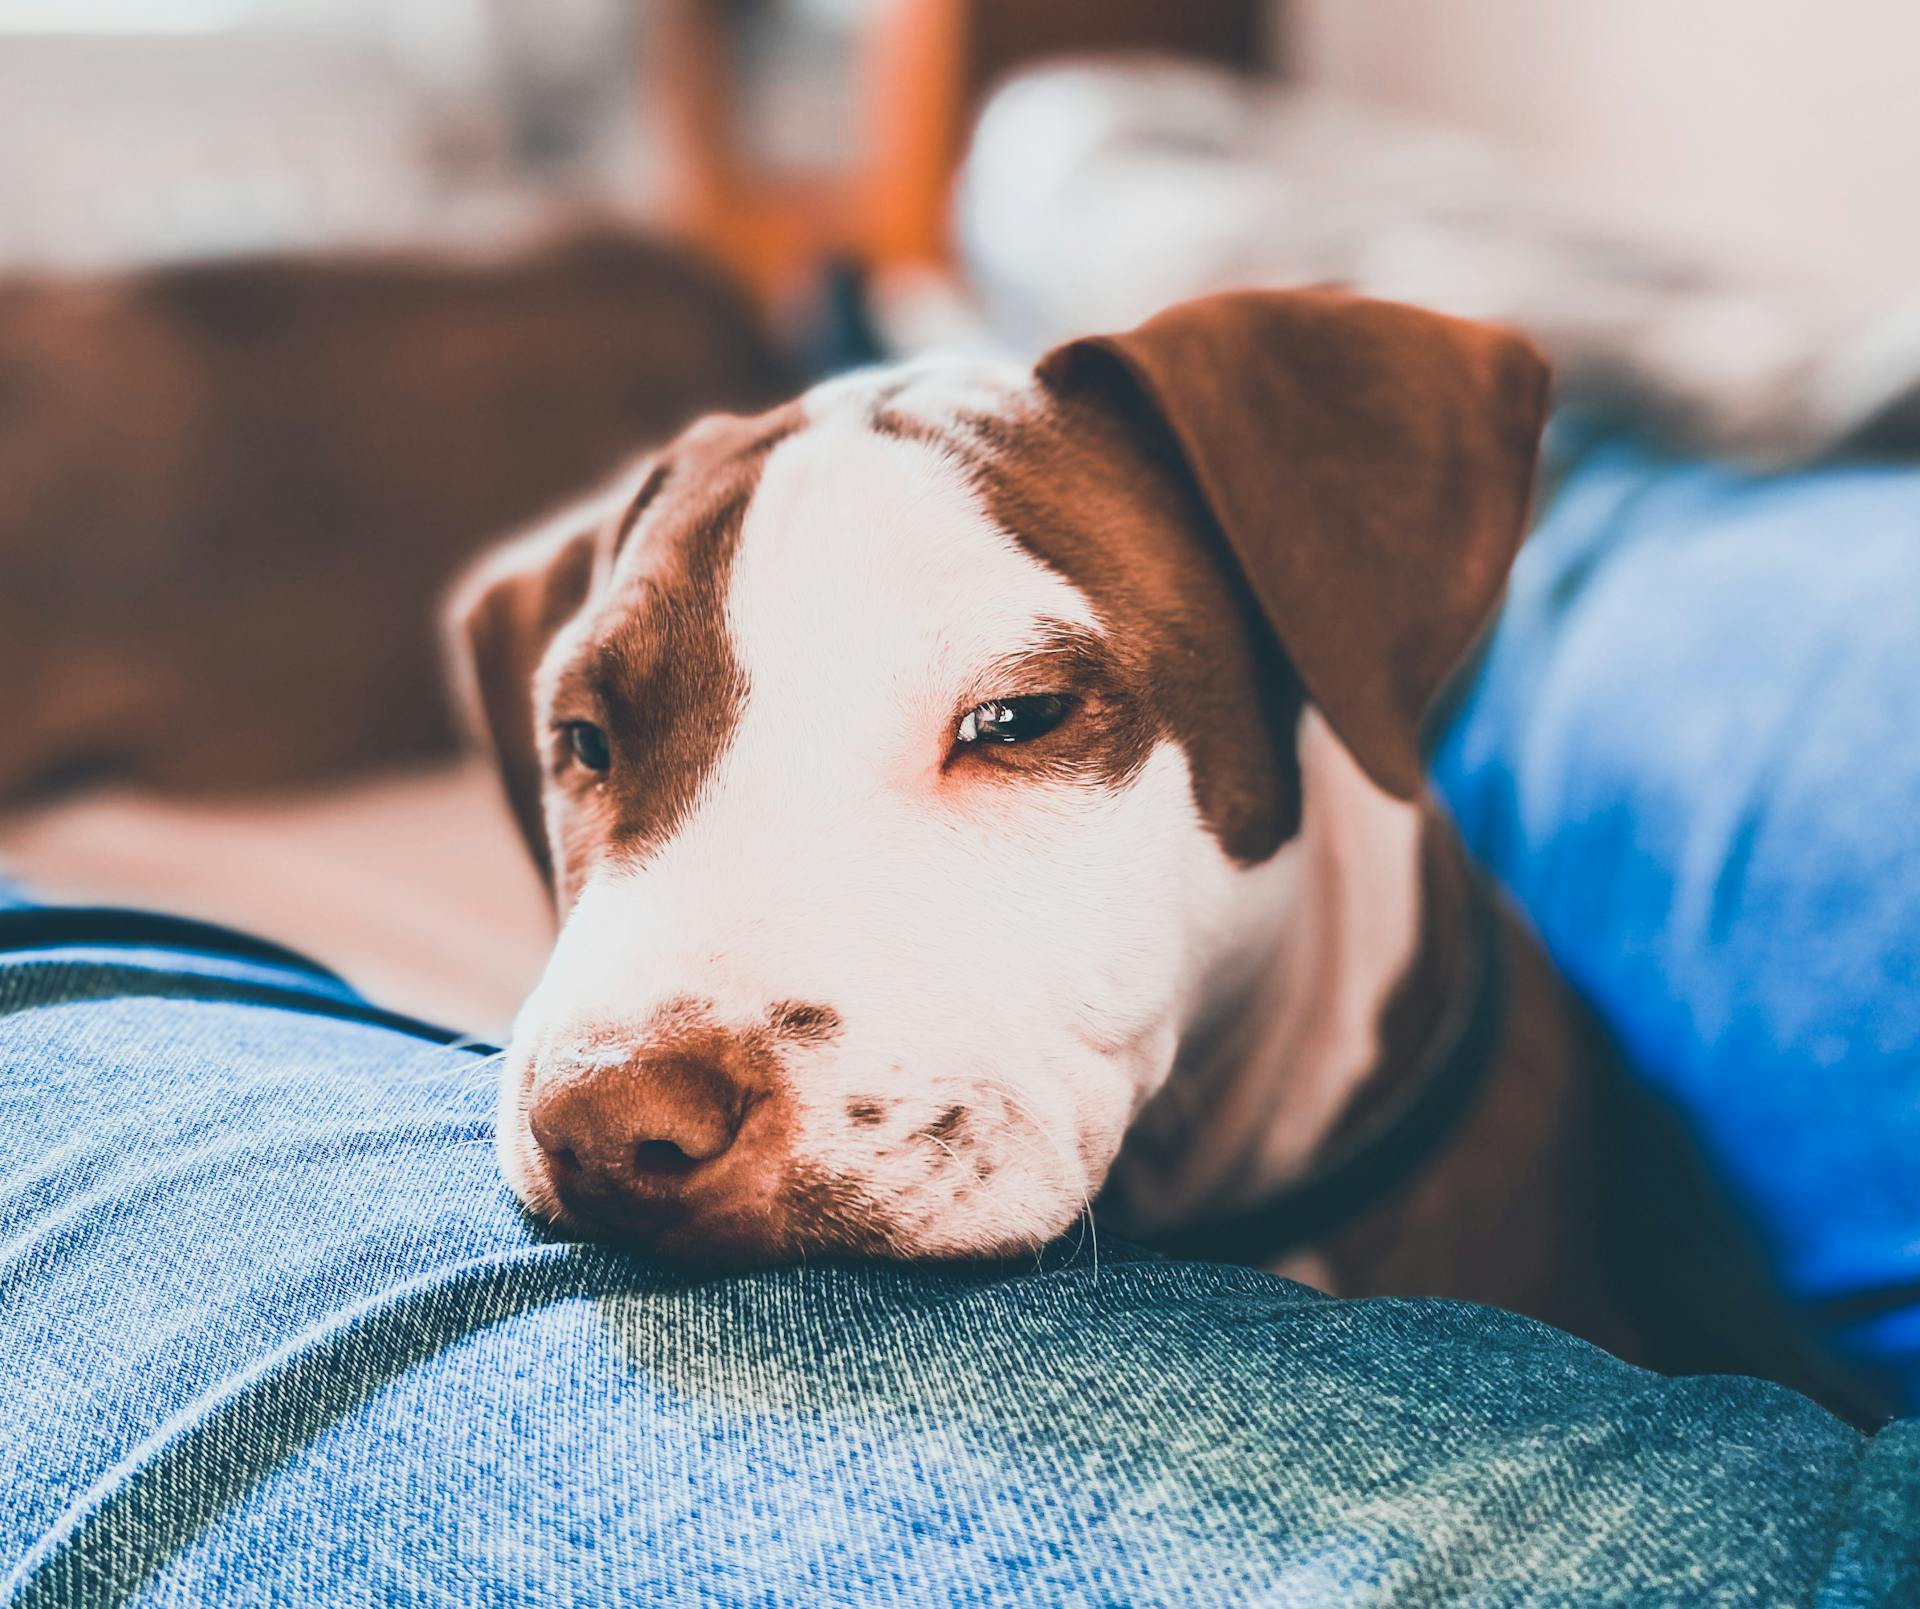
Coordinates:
(1014, 720)
(589, 745)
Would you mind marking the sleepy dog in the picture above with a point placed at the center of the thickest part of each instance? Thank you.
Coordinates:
(971, 792)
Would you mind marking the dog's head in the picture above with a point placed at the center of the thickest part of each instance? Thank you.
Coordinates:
(905, 761)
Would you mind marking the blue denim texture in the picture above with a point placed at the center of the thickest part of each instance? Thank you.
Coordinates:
(1692, 753)
(272, 1331)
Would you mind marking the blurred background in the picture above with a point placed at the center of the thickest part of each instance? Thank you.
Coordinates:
(303, 302)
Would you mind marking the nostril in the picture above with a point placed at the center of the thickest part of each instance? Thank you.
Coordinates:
(662, 1159)
(564, 1159)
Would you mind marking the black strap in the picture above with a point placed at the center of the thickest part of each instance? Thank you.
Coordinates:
(63, 927)
(1389, 1147)
(33, 927)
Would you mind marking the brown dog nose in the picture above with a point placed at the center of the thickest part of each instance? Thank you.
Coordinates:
(640, 1129)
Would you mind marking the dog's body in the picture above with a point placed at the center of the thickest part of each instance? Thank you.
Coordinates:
(971, 790)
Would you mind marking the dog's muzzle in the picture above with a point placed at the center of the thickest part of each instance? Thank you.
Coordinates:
(645, 1145)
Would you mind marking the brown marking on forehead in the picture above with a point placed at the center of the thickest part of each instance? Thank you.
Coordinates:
(885, 419)
(1105, 502)
(642, 500)
(657, 670)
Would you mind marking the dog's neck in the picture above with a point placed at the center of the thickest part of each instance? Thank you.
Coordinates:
(1291, 1039)
(1326, 1017)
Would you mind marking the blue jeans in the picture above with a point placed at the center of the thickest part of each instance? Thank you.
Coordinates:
(272, 1330)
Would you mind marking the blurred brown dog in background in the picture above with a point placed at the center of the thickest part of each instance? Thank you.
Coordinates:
(235, 489)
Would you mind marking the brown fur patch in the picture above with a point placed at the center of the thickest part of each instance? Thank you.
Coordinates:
(800, 1019)
(825, 1213)
(949, 1128)
(1104, 502)
(642, 500)
(1365, 470)
(656, 671)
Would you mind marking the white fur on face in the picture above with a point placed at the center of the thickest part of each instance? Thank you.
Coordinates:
(1026, 950)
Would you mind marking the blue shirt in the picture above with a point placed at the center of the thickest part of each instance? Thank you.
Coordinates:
(1692, 752)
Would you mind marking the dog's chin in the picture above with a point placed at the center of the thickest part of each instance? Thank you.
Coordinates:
(702, 1245)
(814, 1217)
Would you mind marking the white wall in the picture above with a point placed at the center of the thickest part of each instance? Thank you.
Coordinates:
(1782, 130)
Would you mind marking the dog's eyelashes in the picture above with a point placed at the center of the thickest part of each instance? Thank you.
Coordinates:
(588, 744)
(1014, 720)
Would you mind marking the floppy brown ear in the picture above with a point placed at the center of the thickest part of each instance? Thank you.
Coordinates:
(1369, 468)
(501, 616)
